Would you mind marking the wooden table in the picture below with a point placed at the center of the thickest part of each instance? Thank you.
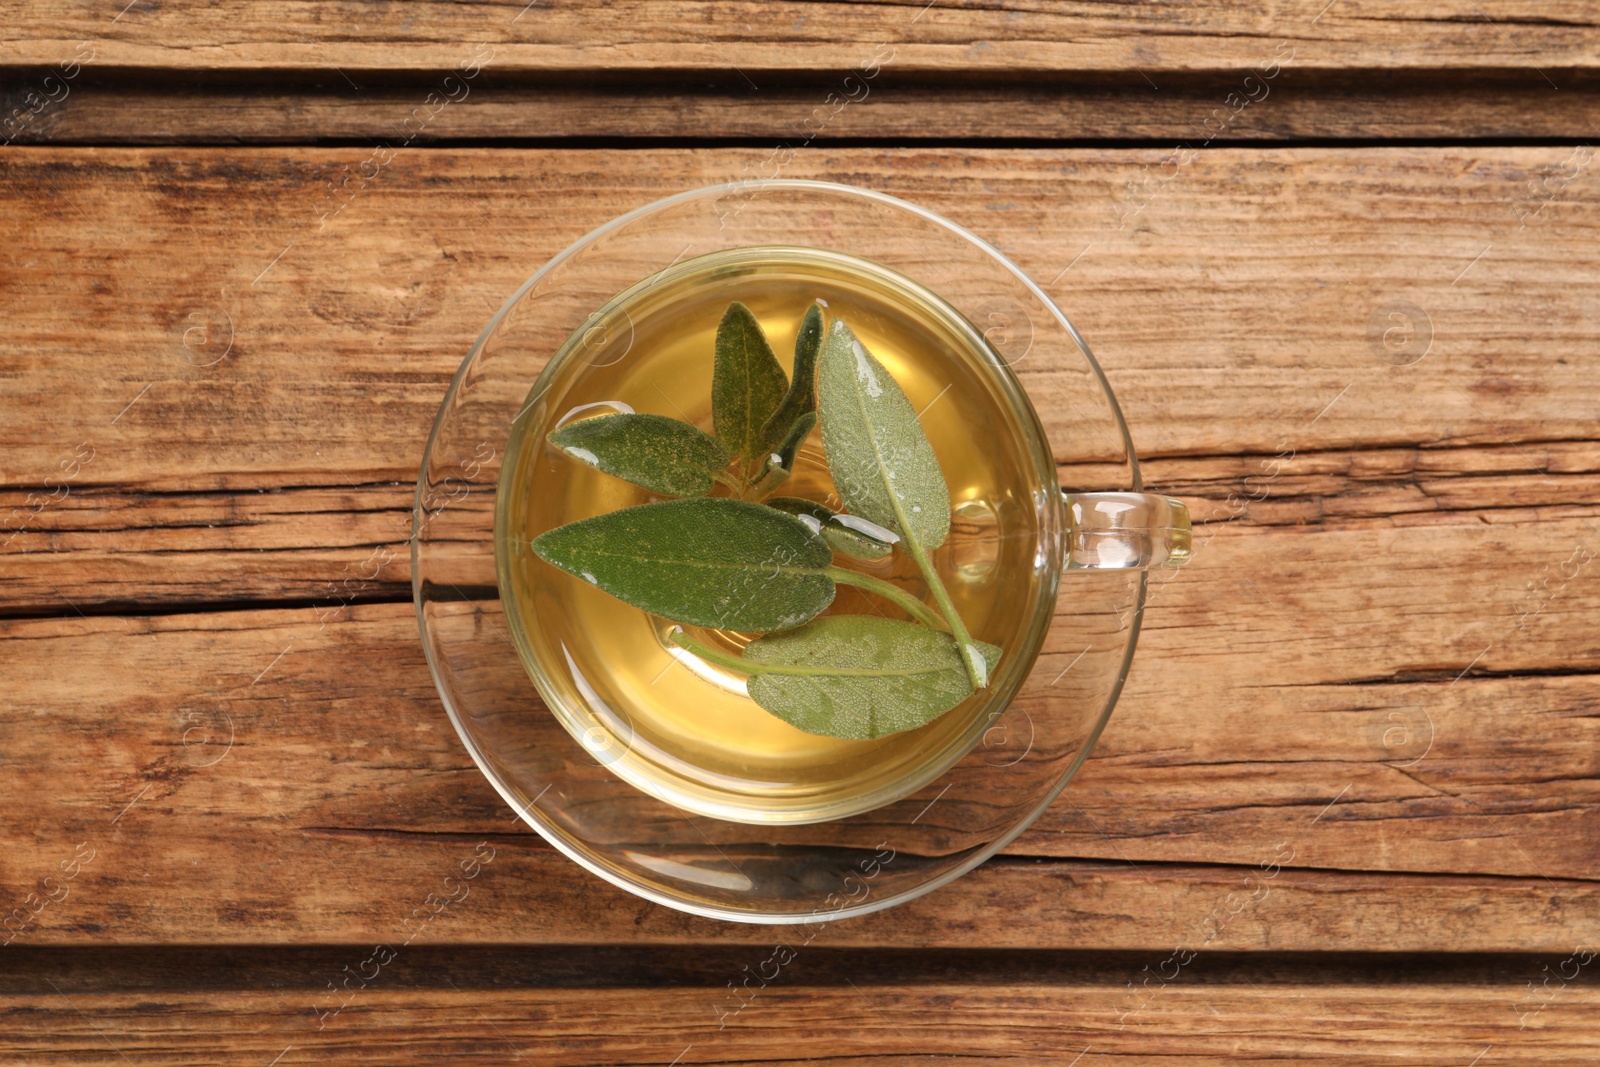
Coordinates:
(1341, 261)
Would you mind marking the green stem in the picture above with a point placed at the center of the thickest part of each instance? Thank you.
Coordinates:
(958, 629)
(890, 592)
(769, 480)
(971, 658)
(739, 663)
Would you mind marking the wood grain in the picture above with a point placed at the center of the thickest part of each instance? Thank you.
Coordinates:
(823, 1008)
(316, 741)
(1377, 671)
(1489, 772)
(102, 107)
(1453, 718)
(1246, 283)
(1319, 682)
(758, 38)
(104, 549)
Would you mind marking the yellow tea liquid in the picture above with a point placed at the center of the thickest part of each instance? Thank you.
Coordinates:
(683, 729)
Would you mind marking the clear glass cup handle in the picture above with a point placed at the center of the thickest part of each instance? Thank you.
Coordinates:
(1121, 531)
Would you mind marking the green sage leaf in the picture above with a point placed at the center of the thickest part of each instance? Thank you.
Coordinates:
(884, 467)
(747, 384)
(859, 676)
(843, 539)
(780, 464)
(709, 561)
(789, 447)
(802, 395)
(882, 463)
(663, 455)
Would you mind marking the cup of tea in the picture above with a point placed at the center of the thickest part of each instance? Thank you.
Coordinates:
(780, 551)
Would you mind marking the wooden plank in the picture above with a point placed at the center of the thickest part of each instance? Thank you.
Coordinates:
(316, 742)
(197, 886)
(1246, 283)
(758, 38)
(101, 108)
(1281, 671)
(104, 549)
(1208, 1015)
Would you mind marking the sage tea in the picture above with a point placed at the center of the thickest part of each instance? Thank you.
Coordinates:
(768, 531)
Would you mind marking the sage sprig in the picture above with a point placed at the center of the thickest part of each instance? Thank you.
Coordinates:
(735, 563)
(884, 468)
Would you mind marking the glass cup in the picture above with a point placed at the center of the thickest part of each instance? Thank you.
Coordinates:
(582, 787)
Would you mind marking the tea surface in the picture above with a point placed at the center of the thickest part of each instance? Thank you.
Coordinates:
(683, 728)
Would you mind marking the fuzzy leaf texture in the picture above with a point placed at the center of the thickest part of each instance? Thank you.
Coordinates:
(663, 455)
(789, 447)
(709, 561)
(882, 463)
(801, 398)
(863, 676)
(747, 384)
